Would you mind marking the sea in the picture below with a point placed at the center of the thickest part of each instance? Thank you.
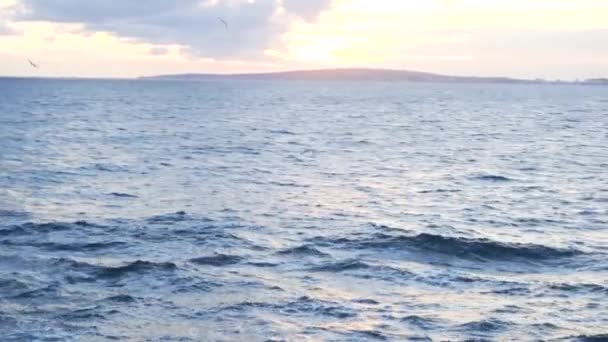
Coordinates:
(302, 211)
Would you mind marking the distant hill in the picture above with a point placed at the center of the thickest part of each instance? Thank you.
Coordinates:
(359, 74)
(600, 81)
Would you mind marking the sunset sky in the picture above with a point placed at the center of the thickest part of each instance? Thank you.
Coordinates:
(565, 39)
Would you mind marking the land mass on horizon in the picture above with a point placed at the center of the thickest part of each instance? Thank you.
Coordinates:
(349, 74)
(359, 74)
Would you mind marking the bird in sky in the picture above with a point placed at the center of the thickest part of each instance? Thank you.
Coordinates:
(32, 64)
(223, 22)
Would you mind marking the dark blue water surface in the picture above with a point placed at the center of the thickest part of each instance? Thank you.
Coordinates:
(263, 211)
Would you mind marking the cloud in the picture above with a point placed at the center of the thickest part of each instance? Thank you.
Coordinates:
(5, 30)
(5, 12)
(305, 9)
(557, 43)
(158, 51)
(516, 38)
(254, 25)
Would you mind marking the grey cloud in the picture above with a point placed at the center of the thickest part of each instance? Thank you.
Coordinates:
(306, 9)
(158, 51)
(252, 25)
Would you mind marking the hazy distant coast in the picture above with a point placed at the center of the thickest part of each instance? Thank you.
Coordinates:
(341, 75)
(360, 74)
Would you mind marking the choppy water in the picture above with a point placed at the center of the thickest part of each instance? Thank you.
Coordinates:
(302, 211)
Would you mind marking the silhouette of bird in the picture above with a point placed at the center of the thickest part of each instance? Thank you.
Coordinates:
(223, 22)
(34, 65)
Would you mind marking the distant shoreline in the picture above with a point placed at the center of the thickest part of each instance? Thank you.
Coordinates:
(331, 75)
(360, 75)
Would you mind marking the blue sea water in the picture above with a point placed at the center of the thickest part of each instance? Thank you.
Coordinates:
(302, 211)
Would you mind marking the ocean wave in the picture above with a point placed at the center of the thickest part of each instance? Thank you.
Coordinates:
(373, 334)
(12, 287)
(316, 307)
(262, 264)
(106, 167)
(9, 322)
(282, 132)
(110, 272)
(367, 301)
(51, 290)
(493, 178)
(303, 250)
(511, 291)
(457, 246)
(420, 322)
(289, 184)
(68, 247)
(169, 218)
(439, 191)
(85, 314)
(217, 260)
(244, 306)
(483, 248)
(301, 306)
(122, 194)
(138, 266)
(584, 288)
(593, 338)
(485, 326)
(37, 228)
(13, 213)
(364, 270)
(335, 267)
(122, 298)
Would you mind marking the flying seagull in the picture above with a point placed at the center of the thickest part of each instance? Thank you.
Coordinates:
(34, 65)
(223, 22)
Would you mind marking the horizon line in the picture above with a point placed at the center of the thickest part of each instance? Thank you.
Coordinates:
(311, 70)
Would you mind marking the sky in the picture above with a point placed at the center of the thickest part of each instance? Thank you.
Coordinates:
(552, 39)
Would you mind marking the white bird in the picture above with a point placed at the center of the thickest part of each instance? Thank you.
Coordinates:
(34, 65)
